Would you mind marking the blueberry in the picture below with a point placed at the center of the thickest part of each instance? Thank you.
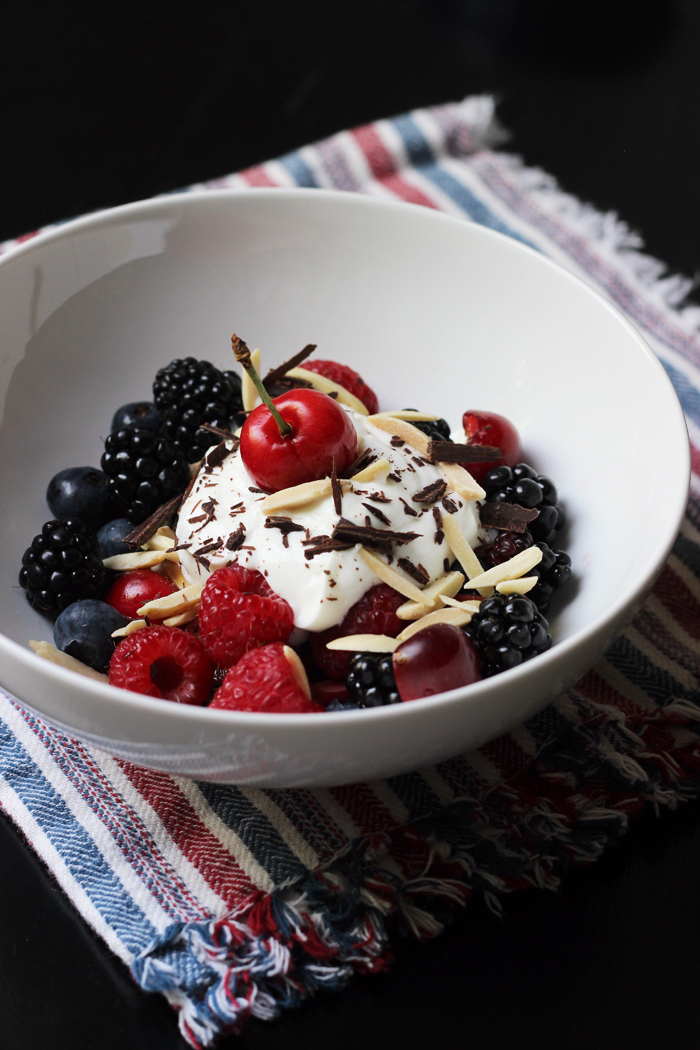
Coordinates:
(136, 414)
(84, 630)
(80, 492)
(111, 537)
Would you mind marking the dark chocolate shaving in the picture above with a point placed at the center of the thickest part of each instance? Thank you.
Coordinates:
(337, 492)
(439, 534)
(214, 546)
(251, 488)
(431, 493)
(324, 545)
(363, 460)
(216, 456)
(394, 476)
(450, 452)
(150, 526)
(449, 505)
(209, 507)
(235, 539)
(417, 572)
(379, 514)
(396, 441)
(285, 525)
(221, 432)
(377, 497)
(508, 516)
(409, 510)
(369, 536)
(202, 560)
(280, 372)
(282, 386)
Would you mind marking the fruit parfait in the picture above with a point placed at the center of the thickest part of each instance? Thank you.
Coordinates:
(279, 544)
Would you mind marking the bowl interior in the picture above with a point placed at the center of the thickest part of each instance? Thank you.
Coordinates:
(436, 314)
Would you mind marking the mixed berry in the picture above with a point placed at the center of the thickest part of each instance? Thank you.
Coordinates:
(107, 568)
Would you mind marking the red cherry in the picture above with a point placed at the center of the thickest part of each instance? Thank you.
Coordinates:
(438, 658)
(132, 590)
(322, 435)
(488, 428)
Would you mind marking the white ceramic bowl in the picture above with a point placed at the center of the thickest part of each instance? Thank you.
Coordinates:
(434, 312)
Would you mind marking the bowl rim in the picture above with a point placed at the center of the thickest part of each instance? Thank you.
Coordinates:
(91, 688)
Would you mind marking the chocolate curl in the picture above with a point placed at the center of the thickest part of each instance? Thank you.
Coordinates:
(451, 452)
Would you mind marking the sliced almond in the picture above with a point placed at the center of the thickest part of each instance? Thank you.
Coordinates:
(370, 473)
(462, 550)
(172, 604)
(456, 617)
(172, 570)
(364, 643)
(461, 481)
(49, 652)
(520, 586)
(159, 543)
(327, 386)
(249, 394)
(390, 576)
(409, 415)
(472, 606)
(508, 570)
(137, 560)
(432, 596)
(298, 671)
(129, 628)
(400, 428)
(300, 495)
(186, 617)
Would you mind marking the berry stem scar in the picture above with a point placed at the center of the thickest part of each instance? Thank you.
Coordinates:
(242, 355)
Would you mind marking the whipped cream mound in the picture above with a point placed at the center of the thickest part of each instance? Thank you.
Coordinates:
(323, 588)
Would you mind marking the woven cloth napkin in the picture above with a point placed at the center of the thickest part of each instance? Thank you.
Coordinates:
(236, 901)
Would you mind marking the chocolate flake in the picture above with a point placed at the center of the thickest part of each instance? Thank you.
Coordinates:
(394, 476)
(282, 386)
(377, 497)
(431, 493)
(369, 535)
(235, 540)
(281, 371)
(324, 545)
(446, 564)
(409, 510)
(439, 534)
(202, 560)
(508, 516)
(337, 492)
(449, 505)
(417, 572)
(150, 526)
(379, 514)
(216, 456)
(251, 488)
(396, 441)
(363, 460)
(214, 546)
(285, 525)
(452, 452)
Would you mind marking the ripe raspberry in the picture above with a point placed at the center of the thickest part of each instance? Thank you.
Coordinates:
(262, 680)
(375, 613)
(240, 611)
(346, 377)
(164, 662)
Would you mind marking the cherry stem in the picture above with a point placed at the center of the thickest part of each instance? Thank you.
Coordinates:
(242, 355)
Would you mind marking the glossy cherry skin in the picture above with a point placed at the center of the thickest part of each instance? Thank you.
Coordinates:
(322, 436)
(132, 590)
(438, 658)
(488, 428)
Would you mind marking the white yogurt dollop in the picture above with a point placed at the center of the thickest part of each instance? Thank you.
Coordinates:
(321, 589)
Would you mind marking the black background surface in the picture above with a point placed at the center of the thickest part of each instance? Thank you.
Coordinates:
(105, 104)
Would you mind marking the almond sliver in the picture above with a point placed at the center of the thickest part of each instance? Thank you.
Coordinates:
(364, 643)
(390, 576)
(327, 386)
(172, 570)
(461, 481)
(49, 652)
(520, 586)
(462, 550)
(172, 604)
(409, 415)
(159, 543)
(249, 394)
(472, 606)
(300, 495)
(298, 671)
(137, 560)
(431, 597)
(456, 617)
(380, 466)
(186, 617)
(508, 570)
(129, 628)
(400, 428)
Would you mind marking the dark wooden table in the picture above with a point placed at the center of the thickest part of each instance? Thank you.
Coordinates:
(117, 102)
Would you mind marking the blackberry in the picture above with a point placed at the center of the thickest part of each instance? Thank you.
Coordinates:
(507, 631)
(188, 393)
(144, 470)
(552, 573)
(523, 485)
(62, 566)
(436, 429)
(504, 547)
(370, 680)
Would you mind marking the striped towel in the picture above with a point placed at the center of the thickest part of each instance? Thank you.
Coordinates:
(234, 901)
